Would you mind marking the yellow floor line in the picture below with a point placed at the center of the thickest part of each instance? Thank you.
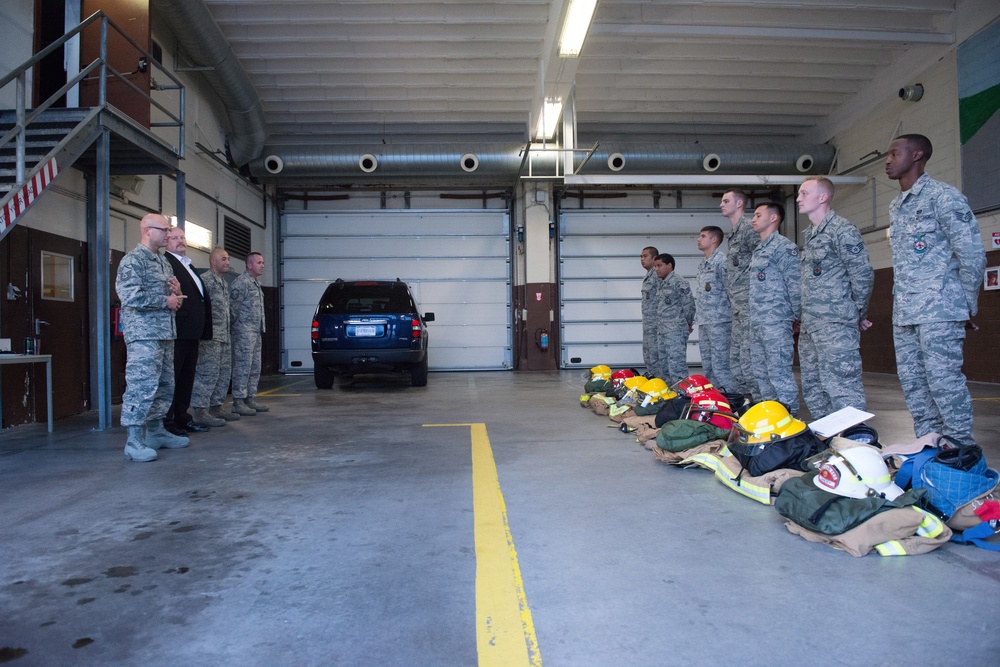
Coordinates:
(505, 633)
(271, 392)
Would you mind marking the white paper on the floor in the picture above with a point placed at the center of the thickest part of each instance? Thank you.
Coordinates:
(835, 422)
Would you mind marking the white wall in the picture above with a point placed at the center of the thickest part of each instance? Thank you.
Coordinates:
(17, 19)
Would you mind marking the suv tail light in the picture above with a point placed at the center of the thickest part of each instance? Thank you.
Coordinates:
(416, 327)
(314, 333)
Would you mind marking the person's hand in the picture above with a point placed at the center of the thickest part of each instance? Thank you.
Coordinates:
(174, 285)
(796, 326)
(174, 301)
(864, 325)
(971, 326)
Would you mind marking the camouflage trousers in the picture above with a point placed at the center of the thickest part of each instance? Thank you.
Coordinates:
(246, 363)
(650, 349)
(772, 351)
(830, 367)
(149, 381)
(211, 379)
(715, 341)
(740, 357)
(929, 366)
(672, 350)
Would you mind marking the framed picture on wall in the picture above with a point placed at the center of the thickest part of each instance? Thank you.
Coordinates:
(992, 278)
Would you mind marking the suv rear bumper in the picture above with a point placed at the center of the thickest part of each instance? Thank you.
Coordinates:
(370, 359)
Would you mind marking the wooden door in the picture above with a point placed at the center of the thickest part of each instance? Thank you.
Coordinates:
(58, 295)
(132, 16)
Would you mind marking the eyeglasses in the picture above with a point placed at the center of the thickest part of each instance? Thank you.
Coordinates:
(162, 229)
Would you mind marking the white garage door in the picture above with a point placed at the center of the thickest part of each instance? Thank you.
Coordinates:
(600, 279)
(457, 264)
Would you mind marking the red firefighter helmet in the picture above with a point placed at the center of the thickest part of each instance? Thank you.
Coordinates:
(618, 377)
(712, 407)
(692, 384)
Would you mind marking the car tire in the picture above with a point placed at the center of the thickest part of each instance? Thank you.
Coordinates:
(323, 377)
(418, 373)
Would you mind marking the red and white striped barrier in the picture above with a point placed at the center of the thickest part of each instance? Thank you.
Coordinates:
(28, 193)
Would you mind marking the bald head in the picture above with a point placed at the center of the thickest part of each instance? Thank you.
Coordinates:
(154, 229)
(219, 261)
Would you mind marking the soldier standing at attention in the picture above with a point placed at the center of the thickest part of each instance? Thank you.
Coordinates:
(215, 358)
(837, 280)
(742, 242)
(150, 295)
(938, 261)
(775, 300)
(675, 317)
(246, 313)
(714, 313)
(650, 357)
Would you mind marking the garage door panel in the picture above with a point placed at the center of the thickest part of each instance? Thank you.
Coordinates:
(602, 290)
(601, 311)
(651, 226)
(461, 292)
(378, 269)
(480, 313)
(393, 223)
(601, 332)
(597, 268)
(385, 248)
(468, 335)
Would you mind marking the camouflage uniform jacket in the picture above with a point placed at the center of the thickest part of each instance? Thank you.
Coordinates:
(246, 305)
(711, 296)
(774, 281)
(675, 310)
(742, 242)
(938, 257)
(142, 288)
(218, 294)
(649, 286)
(837, 277)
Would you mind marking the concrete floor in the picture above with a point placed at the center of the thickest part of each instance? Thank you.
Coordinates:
(337, 530)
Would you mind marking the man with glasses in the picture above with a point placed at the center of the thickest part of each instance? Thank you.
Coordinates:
(150, 295)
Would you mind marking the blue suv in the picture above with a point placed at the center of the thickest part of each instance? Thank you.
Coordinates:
(368, 326)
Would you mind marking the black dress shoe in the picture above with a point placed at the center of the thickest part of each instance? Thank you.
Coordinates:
(191, 427)
(176, 430)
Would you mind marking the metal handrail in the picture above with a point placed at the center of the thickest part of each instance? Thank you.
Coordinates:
(19, 74)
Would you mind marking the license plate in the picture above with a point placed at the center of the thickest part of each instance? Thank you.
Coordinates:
(364, 330)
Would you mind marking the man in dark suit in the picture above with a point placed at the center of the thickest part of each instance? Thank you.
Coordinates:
(194, 323)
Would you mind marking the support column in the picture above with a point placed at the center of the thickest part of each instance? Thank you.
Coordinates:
(99, 250)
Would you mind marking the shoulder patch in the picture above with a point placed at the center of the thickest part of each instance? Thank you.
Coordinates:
(856, 248)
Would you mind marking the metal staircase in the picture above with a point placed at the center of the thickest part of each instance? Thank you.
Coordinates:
(37, 144)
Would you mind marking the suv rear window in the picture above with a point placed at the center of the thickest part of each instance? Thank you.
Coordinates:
(367, 299)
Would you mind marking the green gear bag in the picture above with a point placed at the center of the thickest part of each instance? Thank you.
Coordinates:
(809, 506)
(597, 386)
(681, 434)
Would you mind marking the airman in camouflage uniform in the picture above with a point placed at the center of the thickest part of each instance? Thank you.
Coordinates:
(215, 357)
(775, 304)
(675, 317)
(714, 313)
(149, 295)
(938, 261)
(650, 356)
(742, 242)
(246, 313)
(837, 280)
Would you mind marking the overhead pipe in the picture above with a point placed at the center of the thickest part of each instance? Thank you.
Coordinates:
(501, 163)
(202, 40)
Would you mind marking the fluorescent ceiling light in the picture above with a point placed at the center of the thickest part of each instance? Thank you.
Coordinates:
(575, 27)
(195, 236)
(548, 119)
